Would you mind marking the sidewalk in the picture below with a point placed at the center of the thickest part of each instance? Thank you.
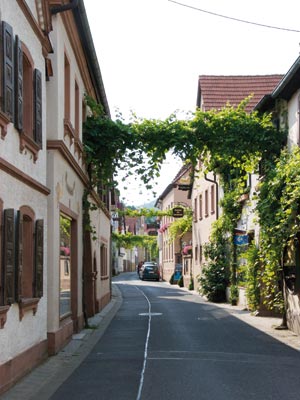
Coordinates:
(43, 381)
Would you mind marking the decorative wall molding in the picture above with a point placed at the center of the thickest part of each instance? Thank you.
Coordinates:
(27, 143)
(22, 177)
(59, 145)
(28, 305)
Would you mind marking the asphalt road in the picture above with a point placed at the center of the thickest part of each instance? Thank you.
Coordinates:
(165, 343)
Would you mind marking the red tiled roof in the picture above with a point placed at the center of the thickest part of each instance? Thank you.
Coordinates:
(216, 91)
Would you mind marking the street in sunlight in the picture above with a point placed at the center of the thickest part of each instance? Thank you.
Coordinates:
(167, 342)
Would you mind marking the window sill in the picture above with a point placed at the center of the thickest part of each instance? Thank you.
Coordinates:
(3, 314)
(28, 304)
(27, 143)
(4, 121)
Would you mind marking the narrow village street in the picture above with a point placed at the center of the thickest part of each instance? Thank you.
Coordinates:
(165, 342)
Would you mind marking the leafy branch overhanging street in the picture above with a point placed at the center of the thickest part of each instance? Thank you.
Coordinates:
(230, 142)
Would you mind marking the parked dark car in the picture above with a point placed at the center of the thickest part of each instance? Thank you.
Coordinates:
(149, 270)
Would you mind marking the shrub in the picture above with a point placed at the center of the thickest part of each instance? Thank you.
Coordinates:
(180, 281)
(213, 282)
(252, 272)
(172, 279)
(234, 294)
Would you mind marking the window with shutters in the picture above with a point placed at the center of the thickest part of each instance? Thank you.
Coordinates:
(29, 102)
(69, 130)
(195, 209)
(7, 78)
(212, 199)
(206, 202)
(21, 92)
(77, 104)
(9, 250)
(3, 308)
(29, 260)
(67, 88)
(27, 93)
(200, 207)
(22, 266)
(78, 143)
(8, 70)
(25, 253)
(103, 260)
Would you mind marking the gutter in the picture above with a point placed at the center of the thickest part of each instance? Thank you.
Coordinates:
(65, 7)
(287, 78)
(217, 192)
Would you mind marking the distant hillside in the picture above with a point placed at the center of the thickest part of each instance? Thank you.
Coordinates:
(147, 205)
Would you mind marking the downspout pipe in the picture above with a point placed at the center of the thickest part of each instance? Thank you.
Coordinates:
(217, 192)
(65, 7)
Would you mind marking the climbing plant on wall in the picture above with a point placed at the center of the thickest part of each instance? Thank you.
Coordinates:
(230, 142)
(278, 209)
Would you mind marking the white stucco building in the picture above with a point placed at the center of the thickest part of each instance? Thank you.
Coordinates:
(53, 273)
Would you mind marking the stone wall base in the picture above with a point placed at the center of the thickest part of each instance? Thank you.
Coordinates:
(58, 339)
(14, 369)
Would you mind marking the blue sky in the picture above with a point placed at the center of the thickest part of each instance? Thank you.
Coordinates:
(151, 52)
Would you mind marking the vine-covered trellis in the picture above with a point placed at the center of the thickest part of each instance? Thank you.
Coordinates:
(230, 142)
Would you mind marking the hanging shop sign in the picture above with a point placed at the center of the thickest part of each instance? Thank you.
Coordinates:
(178, 212)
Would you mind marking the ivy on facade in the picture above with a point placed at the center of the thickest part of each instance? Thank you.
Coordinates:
(230, 142)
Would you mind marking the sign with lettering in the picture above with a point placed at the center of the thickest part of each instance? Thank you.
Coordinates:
(178, 212)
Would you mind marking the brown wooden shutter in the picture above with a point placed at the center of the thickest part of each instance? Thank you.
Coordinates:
(8, 70)
(38, 107)
(9, 256)
(18, 84)
(19, 256)
(39, 257)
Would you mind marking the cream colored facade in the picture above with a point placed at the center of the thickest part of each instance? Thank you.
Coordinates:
(170, 252)
(23, 195)
(68, 179)
(49, 264)
(205, 205)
